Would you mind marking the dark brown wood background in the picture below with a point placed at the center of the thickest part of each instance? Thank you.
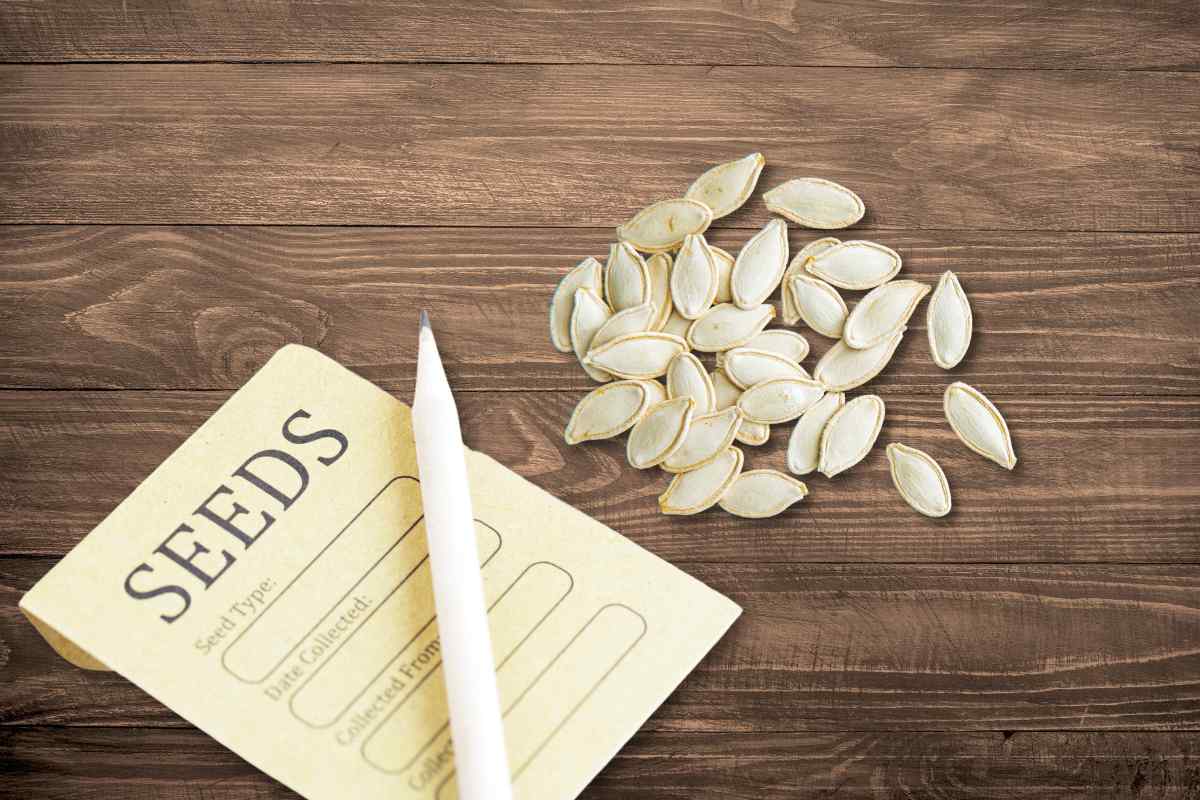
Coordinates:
(187, 185)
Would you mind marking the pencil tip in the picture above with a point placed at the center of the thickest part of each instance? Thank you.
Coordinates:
(424, 319)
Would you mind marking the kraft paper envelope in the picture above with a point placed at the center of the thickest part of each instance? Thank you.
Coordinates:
(269, 583)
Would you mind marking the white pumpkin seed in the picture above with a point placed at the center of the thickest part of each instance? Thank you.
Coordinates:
(724, 263)
(815, 203)
(818, 304)
(610, 410)
(725, 187)
(663, 225)
(759, 265)
(843, 368)
(686, 377)
(587, 274)
(694, 491)
(693, 278)
(655, 392)
(677, 325)
(623, 323)
(979, 424)
(626, 279)
(919, 479)
(658, 267)
(949, 321)
(747, 367)
(660, 432)
(791, 314)
(882, 311)
(855, 265)
(709, 436)
(788, 344)
(804, 445)
(779, 400)
(726, 326)
(850, 434)
(760, 493)
(637, 355)
(589, 316)
(753, 433)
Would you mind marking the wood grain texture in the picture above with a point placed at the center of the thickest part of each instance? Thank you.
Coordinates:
(589, 145)
(832, 647)
(934, 33)
(1104, 480)
(202, 308)
(95, 763)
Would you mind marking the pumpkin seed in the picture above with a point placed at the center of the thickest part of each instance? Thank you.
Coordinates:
(724, 263)
(815, 203)
(709, 436)
(883, 310)
(726, 326)
(780, 399)
(753, 433)
(626, 279)
(804, 445)
(658, 267)
(760, 493)
(655, 392)
(677, 325)
(610, 410)
(791, 314)
(631, 320)
(659, 432)
(725, 187)
(855, 265)
(637, 355)
(759, 265)
(590, 315)
(818, 304)
(686, 377)
(788, 344)
(919, 479)
(663, 225)
(949, 321)
(843, 368)
(587, 274)
(693, 278)
(746, 367)
(850, 434)
(979, 424)
(694, 491)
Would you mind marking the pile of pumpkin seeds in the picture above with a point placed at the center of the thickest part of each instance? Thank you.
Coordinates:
(665, 294)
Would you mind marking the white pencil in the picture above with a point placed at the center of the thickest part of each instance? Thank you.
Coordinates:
(467, 662)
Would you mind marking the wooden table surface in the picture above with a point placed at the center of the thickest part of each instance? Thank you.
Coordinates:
(186, 186)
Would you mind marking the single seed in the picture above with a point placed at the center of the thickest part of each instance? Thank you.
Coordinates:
(694, 491)
(708, 437)
(637, 355)
(660, 432)
(589, 317)
(855, 265)
(979, 424)
(818, 304)
(724, 263)
(760, 493)
(788, 344)
(815, 203)
(693, 278)
(626, 279)
(883, 311)
(850, 434)
(919, 479)
(725, 187)
(746, 367)
(587, 274)
(677, 325)
(949, 321)
(804, 445)
(843, 368)
(779, 400)
(726, 326)
(658, 267)
(610, 410)
(759, 265)
(791, 314)
(686, 377)
(663, 225)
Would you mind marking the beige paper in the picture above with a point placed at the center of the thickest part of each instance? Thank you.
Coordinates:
(269, 582)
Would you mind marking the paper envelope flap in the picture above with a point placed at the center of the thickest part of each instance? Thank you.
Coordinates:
(73, 653)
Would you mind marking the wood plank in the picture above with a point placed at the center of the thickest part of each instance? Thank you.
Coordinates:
(172, 765)
(203, 308)
(935, 33)
(588, 145)
(832, 647)
(1102, 480)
